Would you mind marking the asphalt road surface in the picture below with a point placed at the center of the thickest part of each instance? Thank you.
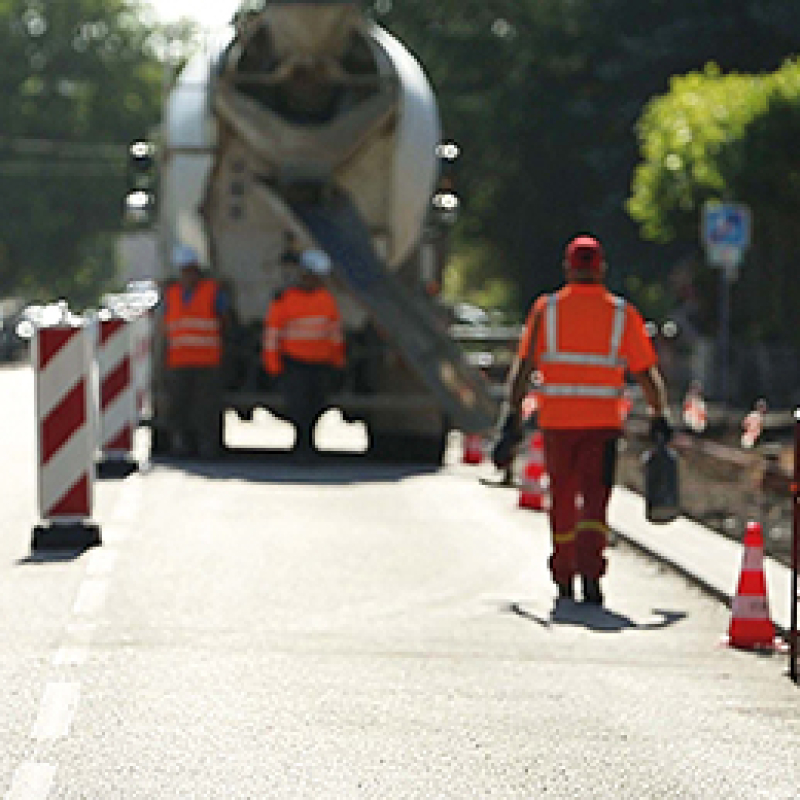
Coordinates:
(350, 629)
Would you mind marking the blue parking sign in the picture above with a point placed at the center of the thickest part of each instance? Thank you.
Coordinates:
(726, 225)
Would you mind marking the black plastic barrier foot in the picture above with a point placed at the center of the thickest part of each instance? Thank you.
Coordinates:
(114, 468)
(74, 536)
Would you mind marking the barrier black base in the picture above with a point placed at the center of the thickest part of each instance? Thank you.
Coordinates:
(74, 536)
(113, 468)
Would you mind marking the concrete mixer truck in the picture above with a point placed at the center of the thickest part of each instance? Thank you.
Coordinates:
(314, 123)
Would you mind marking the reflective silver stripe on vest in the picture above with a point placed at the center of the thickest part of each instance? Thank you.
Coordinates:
(552, 355)
(579, 390)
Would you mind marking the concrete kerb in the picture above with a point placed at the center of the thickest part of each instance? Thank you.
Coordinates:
(706, 558)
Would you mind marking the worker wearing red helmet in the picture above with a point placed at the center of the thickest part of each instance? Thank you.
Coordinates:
(580, 342)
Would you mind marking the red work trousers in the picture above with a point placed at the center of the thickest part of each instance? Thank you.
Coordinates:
(580, 463)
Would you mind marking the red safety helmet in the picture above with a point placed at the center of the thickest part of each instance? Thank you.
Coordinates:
(584, 252)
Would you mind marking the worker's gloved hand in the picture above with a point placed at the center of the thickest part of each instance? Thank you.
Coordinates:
(509, 437)
(660, 430)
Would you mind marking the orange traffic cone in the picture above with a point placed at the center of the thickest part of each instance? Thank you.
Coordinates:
(535, 481)
(473, 449)
(751, 627)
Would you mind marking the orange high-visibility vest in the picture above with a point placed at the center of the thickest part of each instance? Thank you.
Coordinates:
(587, 339)
(303, 325)
(192, 327)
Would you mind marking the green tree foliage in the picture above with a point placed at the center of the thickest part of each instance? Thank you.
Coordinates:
(729, 137)
(80, 79)
(686, 138)
(544, 95)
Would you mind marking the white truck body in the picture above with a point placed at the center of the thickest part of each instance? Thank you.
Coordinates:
(310, 106)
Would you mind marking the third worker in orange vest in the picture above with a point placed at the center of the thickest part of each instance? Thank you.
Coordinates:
(196, 314)
(581, 341)
(304, 345)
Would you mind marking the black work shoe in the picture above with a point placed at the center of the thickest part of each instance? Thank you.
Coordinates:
(565, 591)
(591, 591)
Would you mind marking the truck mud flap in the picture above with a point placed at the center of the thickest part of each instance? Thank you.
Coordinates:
(461, 391)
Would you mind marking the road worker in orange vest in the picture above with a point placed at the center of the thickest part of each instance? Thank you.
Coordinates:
(578, 344)
(196, 313)
(304, 346)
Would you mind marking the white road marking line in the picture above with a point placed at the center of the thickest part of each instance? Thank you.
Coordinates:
(70, 656)
(114, 535)
(74, 651)
(59, 703)
(31, 781)
(129, 501)
(101, 562)
(56, 711)
(81, 632)
(91, 597)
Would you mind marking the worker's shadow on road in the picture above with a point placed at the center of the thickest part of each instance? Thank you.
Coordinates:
(595, 618)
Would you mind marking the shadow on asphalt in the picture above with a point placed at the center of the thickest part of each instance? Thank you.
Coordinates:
(595, 618)
(280, 466)
(56, 556)
(60, 542)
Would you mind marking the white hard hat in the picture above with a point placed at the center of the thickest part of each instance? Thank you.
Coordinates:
(316, 261)
(184, 256)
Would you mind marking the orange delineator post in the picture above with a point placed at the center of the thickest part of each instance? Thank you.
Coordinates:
(534, 482)
(473, 449)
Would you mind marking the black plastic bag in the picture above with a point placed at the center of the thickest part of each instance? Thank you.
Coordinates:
(661, 484)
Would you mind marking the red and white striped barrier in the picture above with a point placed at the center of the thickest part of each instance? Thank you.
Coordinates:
(62, 362)
(117, 392)
(141, 350)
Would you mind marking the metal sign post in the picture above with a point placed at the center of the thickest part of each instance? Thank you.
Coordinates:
(725, 232)
(727, 275)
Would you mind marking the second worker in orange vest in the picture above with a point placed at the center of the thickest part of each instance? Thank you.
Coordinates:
(304, 345)
(581, 341)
